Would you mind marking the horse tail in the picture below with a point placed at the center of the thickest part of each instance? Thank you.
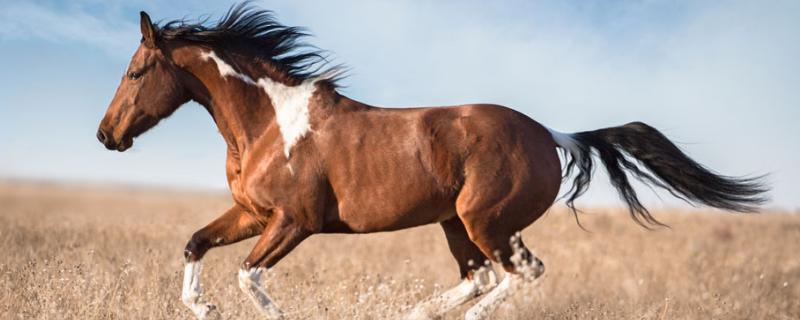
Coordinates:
(666, 166)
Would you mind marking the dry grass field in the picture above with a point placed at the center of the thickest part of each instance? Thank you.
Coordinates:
(116, 253)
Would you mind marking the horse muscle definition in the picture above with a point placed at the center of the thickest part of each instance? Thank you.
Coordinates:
(304, 159)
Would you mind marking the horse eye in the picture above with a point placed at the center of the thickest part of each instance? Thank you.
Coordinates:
(134, 75)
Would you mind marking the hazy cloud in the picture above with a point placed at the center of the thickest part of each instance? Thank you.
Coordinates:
(30, 20)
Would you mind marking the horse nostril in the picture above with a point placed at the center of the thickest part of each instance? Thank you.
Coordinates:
(101, 136)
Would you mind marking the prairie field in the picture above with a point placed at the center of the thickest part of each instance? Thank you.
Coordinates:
(112, 252)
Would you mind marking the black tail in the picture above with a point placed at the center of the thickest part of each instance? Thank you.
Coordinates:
(666, 167)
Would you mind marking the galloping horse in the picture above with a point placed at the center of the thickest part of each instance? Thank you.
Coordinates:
(304, 159)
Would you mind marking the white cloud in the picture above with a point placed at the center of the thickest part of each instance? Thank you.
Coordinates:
(26, 20)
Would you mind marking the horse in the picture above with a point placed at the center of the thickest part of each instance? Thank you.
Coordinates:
(303, 159)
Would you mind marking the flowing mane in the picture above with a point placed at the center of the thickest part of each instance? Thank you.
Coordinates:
(257, 32)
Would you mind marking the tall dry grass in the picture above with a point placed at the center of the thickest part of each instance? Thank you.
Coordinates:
(116, 253)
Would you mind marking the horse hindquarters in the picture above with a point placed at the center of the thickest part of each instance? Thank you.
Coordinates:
(509, 182)
(512, 175)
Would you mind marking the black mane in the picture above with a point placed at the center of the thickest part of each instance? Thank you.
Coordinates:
(258, 32)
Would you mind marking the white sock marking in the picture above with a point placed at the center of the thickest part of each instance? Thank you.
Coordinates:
(433, 308)
(192, 291)
(436, 306)
(484, 308)
(249, 283)
(290, 103)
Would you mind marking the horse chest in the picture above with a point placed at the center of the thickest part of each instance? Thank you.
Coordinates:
(236, 186)
(237, 181)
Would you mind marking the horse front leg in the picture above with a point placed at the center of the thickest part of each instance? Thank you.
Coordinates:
(235, 225)
(282, 234)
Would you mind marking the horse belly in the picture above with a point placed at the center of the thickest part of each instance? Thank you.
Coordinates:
(390, 193)
(365, 212)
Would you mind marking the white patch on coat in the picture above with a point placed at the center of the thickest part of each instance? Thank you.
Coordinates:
(249, 283)
(291, 109)
(291, 103)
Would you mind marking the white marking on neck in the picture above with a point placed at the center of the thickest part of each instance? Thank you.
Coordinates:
(291, 104)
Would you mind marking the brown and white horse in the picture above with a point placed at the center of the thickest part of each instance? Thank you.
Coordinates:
(304, 159)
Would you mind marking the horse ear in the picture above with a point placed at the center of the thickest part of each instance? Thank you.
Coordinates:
(148, 30)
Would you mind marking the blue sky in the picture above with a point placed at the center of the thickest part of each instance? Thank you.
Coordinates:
(721, 77)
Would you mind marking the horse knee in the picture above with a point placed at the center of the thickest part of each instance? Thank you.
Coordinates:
(524, 262)
(197, 247)
(249, 277)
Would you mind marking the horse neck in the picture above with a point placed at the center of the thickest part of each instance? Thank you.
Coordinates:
(252, 100)
(240, 120)
(239, 105)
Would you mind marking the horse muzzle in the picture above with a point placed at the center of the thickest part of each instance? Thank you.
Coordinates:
(110, 143)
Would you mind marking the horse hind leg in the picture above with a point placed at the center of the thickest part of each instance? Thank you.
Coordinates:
(493, 210)
(521, 267)
(477, 277)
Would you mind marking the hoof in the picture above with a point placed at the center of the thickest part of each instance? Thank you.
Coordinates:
(420, 313)
(210, 313)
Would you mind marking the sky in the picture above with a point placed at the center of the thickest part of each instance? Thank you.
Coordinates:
(722, 78)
